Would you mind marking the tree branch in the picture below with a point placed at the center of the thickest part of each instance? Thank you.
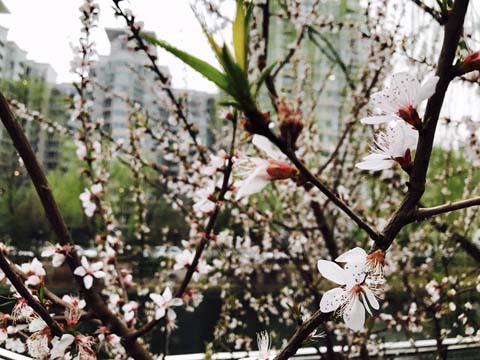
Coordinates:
(407, 211)
(424, 213)
(93, 297)
(439, 17)
(25, 293)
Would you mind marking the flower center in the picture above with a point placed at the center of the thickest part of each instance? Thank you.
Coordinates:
(410, 115)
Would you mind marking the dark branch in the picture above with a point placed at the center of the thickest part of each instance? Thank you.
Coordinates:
(424, 213)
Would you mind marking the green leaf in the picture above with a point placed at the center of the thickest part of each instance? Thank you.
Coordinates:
(239, 35)
(195, 63)
(41, 293)
(262, 77)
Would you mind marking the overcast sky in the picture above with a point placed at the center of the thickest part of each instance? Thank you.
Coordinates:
(46, 28)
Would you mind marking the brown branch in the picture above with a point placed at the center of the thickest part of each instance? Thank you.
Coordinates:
(203, 242)
(301, 334)
(407, 211)
(439, 17)
(265, 131)
(163, 79)
(25, 293)
(424, 213)
(93, 297)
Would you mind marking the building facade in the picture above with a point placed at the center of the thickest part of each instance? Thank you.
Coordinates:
(122, 75)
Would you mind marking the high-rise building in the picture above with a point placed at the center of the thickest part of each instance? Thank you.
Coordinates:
(318, 50)
(32, 84)
(122, 74)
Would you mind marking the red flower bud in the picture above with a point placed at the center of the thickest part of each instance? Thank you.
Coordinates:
(471, 62)
(410, 115)
(279, 171)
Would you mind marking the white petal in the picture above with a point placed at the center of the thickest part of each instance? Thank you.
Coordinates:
(84, 262)
(251, 185)
(354, 315)
(372, 300)
(332, 272)
(365, 304)
(427, 89)
(404, 87)
(375, 165)
(332, 299)
(379, 119)
(262, 143)
(58, 259)
(171, 315)
(167, 294)
(159, 313)
(384, 102)
(80, 271)
(96, 266)
(176, 302)
(88, 281)
(99, 274)
(354, 255)
(157, 299)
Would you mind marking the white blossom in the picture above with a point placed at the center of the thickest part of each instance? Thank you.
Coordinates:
(164, 303)
(89, 272)
(401, 99)
(353, 296)
(393, 145)
(256, 173)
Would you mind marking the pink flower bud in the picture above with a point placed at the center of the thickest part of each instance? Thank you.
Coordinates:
(471, 62)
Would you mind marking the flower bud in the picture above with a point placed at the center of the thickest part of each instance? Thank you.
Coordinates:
(290, 123)
(471, 62)
(279, 171)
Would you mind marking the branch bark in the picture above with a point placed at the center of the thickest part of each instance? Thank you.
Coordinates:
(424, 213)
(93, 298)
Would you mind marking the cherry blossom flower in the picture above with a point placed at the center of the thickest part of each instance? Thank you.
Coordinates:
(22, 310)
(89, 271)
(129, 310)
(184, 260)
(16, 345)
(203, 204)
(216, 162)
(85, 347)
(37, 343)
(34, 271)
(264, 343)
(372, 264)
(401, 99)
(73, 312)
(395, 145)
(352, 298)
(256, 173)
(164, 303)
(88, 205)
(60, 346)
(57, 252)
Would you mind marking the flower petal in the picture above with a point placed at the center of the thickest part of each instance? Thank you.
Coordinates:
(332, 272)
(159, 313)
(354, 315)
(262, 143)
(379, 119)
(80, 271)
(372, 300)
(332, 299)
(354, 255)
(375, 165)
(427, 89)
(251, 185)
(88, 281)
